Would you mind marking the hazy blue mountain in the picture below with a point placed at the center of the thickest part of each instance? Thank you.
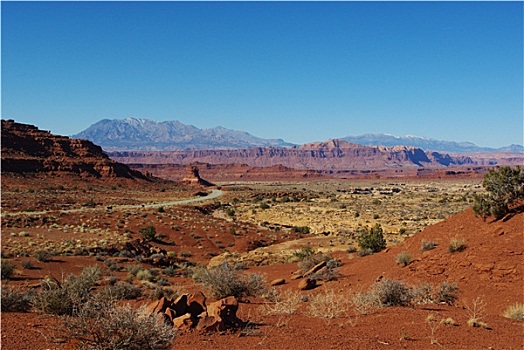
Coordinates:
(148, 135)
(427, 144)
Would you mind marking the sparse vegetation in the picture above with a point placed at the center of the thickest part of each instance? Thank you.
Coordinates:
(447, 293)
(148, 233)
(286, 303)
(63, 298)
(224, 280)
(515, 312)
(428, 245)
(43, 255)
(504, 186)
(328, 304)
(403, 259)
(14, 300)
(102, 325)
(456, 245)
(8, 269)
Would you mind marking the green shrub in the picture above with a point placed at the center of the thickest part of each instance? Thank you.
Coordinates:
(148, 233)
(372, 239)
(223, 281)
(43, 255)
(8, 269)
(301, 229)
(504, 186)
(14, 301)
(120, 291)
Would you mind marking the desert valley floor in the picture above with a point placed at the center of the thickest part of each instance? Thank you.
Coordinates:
(260, 228)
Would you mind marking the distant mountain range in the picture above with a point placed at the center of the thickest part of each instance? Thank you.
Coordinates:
(133, 134)
(427, 144)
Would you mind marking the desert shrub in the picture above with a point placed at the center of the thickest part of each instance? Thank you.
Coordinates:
(447, 293)
(403, 259)
(504, 186)
(364, 252)
(134, 269)
(43, 255)
(145, 275)
(223, 281)
(427, 245)
(26, 264)
(102, 325)
(148, 233)
(65, 298)
(8, 268)
(329, 273)
(301, 229)
(120, 291)
(372, 239)
(303, 253)
(351, 249)
(328, 304)
(14, 301)
(393, 293)
(422, 294)
(264, 206)
(515, 312)
(456, 245)
(286, 302)
(161, 210)
(476, 313)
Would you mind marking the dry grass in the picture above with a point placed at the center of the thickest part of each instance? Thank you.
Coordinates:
(284, 303)
(329, 304)
(515, 312)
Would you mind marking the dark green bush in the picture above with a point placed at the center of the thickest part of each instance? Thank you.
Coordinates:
(8, 269)
(148, 233)
(504, 186)
(372, 239)
(14, 301)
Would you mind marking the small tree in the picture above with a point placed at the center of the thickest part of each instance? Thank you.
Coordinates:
(372, 239)
(504, 186)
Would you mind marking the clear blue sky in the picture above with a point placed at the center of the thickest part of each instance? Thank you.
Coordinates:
(301, 71)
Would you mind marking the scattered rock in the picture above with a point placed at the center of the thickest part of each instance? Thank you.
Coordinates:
(307, 284)
(315, 268)
(277, 282)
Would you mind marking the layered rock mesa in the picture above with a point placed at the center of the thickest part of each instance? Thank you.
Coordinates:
(26, 149)
(332, 155)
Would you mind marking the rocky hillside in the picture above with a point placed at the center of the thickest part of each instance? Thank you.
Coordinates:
(427, 144)
(147, 135)
(332, 155)
(26, 149)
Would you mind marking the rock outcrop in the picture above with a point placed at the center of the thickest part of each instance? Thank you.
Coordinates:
(332, 155)
(192, 177)
(26, 149)
(190, 311)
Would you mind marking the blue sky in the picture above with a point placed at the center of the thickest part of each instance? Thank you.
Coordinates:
(301, 71)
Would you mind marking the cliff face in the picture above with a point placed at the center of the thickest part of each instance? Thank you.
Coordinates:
(330, 155)
(26, 149)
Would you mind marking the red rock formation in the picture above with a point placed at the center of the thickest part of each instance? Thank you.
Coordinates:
(26, 149)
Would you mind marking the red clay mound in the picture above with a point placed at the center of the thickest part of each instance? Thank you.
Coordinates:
(490, 267)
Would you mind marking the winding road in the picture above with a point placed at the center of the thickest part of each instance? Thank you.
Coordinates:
(214, 194)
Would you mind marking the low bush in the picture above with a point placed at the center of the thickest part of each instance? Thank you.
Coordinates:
(148, 233)
(65, 298)
(120, 291)
(393, 293)
(14, 301)
(8, 269)
(283, 303)
(447, 293)
(515, 312)
(328, 304)
(372, 239)
(43, 255)
(403, 259)
(428, 245)
(456, 245)
(223, 281)
(102, 325)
